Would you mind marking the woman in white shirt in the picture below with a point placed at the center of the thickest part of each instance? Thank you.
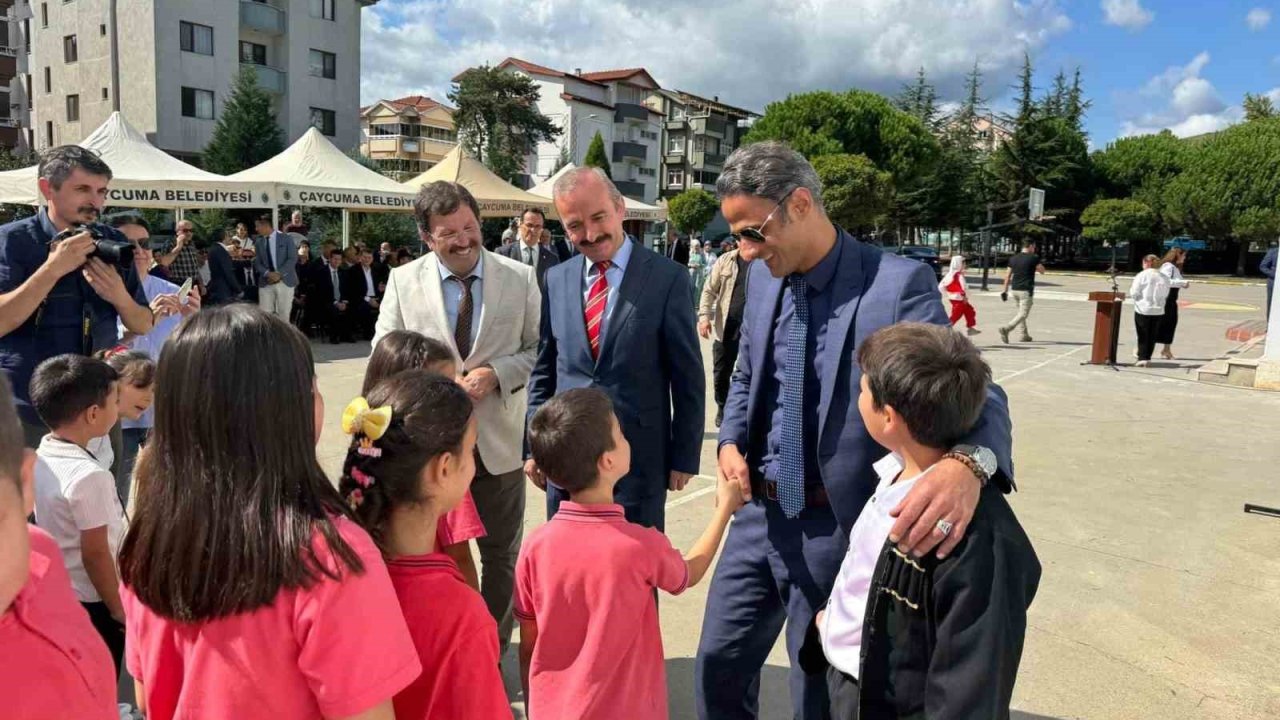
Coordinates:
(1171, 268)
(1149, 291)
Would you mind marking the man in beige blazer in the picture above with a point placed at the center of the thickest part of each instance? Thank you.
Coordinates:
(487, 308)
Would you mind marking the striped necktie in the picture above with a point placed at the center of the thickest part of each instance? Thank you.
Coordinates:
(596, 301)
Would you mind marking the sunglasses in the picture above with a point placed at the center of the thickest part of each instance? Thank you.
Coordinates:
(756, 234)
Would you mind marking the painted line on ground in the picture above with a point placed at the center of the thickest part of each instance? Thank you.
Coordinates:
(1037, 366)
(695, 494)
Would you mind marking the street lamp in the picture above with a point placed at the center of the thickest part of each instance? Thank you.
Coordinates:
(573, 137)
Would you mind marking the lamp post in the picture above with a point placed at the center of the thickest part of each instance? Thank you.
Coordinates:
(573, 136)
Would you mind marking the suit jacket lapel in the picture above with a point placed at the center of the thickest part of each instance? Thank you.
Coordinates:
(847, 288)
(576, 289)
(433, 290)
(765, 317)
(495, 280)
(633, 279)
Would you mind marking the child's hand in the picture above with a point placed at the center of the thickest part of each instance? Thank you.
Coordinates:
(728, 494)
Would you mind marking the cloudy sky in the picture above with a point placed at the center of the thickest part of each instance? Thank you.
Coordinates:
(1146, 64)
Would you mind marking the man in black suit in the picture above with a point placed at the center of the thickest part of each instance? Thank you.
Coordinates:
(224, 278)
(331, 293)
(528, 249)
(365, 285)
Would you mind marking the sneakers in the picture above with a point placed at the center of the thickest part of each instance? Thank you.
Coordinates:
(1025, 338)
(1004, 335)
(1142, 363)
(974, 331)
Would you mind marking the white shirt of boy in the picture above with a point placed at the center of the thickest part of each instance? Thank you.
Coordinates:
(75, 493)
(841, 627)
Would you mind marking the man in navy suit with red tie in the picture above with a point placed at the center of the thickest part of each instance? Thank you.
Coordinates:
(620, 317)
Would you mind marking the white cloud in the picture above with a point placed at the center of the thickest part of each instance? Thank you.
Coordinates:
(1258, 18)
(1179, 100)
(749, 52)
(1127, 14)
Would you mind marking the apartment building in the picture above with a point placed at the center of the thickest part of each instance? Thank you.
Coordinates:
(697, 135)
(406, 137)
(611, 103)
(14, 78)
(168, 66)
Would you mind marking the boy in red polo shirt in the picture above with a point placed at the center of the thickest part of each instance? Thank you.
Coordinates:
(590, 644)
(51, 651)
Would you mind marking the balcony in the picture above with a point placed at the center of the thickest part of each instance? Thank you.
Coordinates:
(623, 112)
(262, 17)
(702, 160)
(709, 125)
(672, 159)
(676, 124)
(269, 79)
(623, 150)
(8, 122)
(631, 189)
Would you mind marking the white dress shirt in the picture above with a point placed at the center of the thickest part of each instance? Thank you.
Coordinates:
(841, 628)
(1172, 272)
(369, 290)
(1149, 290)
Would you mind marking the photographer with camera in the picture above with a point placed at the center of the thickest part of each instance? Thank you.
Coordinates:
(64, 279)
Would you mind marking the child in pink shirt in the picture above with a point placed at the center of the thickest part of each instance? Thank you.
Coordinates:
(590, 644)
(52, 658)
(411, 460)
(248, 590)
(402, 350)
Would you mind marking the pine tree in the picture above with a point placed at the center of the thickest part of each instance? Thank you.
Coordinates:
(1026, 92)
(596, 156)
(919, 100)
(562, 160)
(247, 132)
(1076, 106)
(1055, 101)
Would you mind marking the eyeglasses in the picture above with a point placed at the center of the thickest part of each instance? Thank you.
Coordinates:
(756, 234)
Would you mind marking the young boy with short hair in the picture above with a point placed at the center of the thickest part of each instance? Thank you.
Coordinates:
(590, 644)
(920, 637)
(52, 656)
(76, 500)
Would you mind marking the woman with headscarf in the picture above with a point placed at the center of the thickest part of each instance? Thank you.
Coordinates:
(954, 288)
(1171, 267)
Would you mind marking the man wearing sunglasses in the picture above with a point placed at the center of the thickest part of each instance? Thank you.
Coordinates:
(803, 457)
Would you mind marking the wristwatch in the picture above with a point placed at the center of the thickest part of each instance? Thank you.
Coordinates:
(980, 460)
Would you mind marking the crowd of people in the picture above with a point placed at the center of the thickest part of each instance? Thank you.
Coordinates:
(859, 493)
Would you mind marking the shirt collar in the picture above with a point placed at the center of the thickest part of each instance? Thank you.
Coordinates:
(620, 258)
(476, 272)
(820, 275)
(45, 223)
(889, 467)
(570, 510)
(52, 447)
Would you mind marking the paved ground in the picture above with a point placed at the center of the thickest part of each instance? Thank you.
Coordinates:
(1160, 596)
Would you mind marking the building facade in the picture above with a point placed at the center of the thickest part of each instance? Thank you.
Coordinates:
(15, 80)
(610, 103)
(697, 135)
(406, 137)
(168, 66)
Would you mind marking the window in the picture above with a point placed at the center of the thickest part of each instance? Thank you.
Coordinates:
(709, 145)
(196, 38)
(27, 80)
(73, 108)
(197, 103)
(675, 144)
(70, 51)
(102, 30)
(675, 178)
(323, 64)
(48, 133)
(253, 53)
(26, 35)
(439, 134)
(646, 135)
(48, 80)
(322, 9)
(104, 93)
(384, 130)
(705, 178)
(324, 121)
(648, 172)
(4, 105)
(44, 15)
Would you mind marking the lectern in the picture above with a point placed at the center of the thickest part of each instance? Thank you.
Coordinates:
(1106, 326)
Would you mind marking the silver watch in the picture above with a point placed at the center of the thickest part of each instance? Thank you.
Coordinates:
(982, 457)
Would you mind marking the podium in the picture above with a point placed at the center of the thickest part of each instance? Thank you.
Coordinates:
(1106, 326)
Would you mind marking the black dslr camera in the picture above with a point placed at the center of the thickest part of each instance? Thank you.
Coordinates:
(112, 252)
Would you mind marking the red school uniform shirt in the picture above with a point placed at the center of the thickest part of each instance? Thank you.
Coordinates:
(457, 642)
(52, 658)
(460, 524)
(334, 649)
(586, 578)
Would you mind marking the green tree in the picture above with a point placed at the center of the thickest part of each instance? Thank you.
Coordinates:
(1142, 167)
(692, 209)
(497, 118)
(855, 192)
(246, 132)
(919, 100)
(562, 160)
(373, 229)
(1258, 107)
(597, 157)
(1119, 222)
(208, 222)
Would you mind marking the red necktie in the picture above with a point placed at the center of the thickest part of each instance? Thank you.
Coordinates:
(596, 301)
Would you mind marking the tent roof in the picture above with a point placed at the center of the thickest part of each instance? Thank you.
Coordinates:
(636, 210)
(312, 171)
(143, 175)
(495, 196)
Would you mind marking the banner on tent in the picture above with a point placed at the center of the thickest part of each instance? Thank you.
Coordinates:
(351, 199)
(171, 196)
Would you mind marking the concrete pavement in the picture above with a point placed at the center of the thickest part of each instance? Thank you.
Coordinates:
(1159, 597)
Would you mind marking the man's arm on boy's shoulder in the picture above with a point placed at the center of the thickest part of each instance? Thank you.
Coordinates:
(981, 598)
(95, 551)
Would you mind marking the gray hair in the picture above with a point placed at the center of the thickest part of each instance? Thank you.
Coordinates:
(569, 181)
(57, 164)
(770, 170)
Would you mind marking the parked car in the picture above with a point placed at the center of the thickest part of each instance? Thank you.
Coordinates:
(922, 253)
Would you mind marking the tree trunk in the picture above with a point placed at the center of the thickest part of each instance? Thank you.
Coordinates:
(1244, 256)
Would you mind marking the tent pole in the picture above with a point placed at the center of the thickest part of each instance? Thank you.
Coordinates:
(275, 217)
(179, 214)
(346, 228)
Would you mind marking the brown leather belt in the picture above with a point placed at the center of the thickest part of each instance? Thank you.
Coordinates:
(814, 495)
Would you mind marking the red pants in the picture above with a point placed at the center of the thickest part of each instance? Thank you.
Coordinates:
(962, 309)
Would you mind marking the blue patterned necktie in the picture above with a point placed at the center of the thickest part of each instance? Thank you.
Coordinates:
(791, 468)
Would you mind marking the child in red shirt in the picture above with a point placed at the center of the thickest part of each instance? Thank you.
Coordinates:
(53, 658)
(248, 589)
(590, 644)
(411, 460)
(401, 350)
(954, 288)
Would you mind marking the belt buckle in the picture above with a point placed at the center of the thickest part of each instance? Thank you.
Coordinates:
(771, 490)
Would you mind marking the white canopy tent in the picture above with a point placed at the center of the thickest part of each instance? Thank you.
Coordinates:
(495, 196)
(636, 210)
(145, 176)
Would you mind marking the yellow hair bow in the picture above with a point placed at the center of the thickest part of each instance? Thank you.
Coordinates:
(370, 422)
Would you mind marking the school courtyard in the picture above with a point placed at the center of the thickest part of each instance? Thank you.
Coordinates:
(1159, 596)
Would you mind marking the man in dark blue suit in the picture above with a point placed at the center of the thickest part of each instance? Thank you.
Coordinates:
(792, 435)
(620, 318)
(528, 250)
